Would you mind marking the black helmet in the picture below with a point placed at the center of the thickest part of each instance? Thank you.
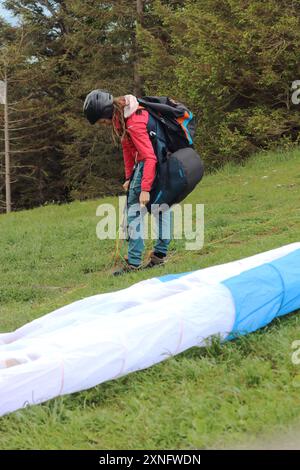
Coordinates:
(98, 105)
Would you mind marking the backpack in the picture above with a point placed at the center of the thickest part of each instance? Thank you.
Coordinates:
(177, 172)
(171, 129)
(176, 119)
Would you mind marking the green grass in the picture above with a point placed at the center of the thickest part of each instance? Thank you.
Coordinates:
(204, 398)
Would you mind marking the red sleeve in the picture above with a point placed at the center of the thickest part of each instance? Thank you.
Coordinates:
(129, 152)
(137, 129)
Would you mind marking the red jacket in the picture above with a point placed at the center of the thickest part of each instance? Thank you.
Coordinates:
(137, 147)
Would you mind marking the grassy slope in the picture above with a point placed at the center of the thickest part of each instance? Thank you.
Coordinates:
(203, 398)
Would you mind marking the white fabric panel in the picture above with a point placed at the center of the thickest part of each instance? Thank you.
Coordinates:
(83, 354)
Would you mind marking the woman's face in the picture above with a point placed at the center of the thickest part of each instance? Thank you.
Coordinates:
(105, 122)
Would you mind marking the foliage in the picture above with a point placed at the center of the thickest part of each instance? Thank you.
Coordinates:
(231, 61)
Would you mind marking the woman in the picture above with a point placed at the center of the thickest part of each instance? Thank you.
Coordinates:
(129, 124)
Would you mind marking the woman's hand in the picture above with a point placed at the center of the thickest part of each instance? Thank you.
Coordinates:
(126, 185)
(144, 198)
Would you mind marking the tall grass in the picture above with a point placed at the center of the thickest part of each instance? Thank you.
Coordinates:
(210, 397)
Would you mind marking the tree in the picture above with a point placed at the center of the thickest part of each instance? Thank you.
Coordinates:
(137, 75)
(73, 47)
(233, 63)
(100, 46)
(4, 101)
(34, 117)
(7, 59)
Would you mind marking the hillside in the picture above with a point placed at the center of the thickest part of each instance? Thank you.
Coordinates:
(204, 398)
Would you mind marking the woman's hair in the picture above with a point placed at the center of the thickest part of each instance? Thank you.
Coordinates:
(118, 122)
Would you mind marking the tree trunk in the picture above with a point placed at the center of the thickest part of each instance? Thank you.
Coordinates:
(137, 77)
(7, 154)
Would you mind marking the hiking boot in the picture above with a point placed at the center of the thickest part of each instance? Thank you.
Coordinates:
(156, 259)
(125, 268)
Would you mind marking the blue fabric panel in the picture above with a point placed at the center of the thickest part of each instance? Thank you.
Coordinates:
(289, 269)
(264, 292)
(257, 296)
(170, 277)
